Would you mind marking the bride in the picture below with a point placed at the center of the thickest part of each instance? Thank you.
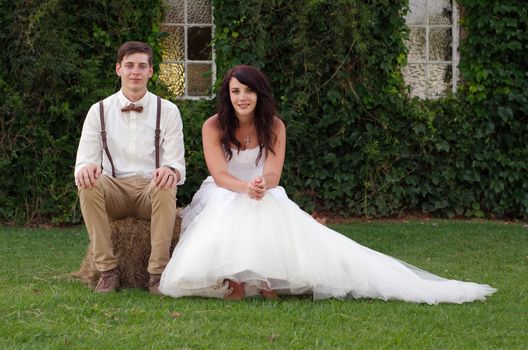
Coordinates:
(242, 236)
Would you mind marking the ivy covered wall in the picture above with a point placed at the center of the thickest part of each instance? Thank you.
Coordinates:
(357, 144)
(57, 59)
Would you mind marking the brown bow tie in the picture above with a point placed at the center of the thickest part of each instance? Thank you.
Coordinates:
(132, 107)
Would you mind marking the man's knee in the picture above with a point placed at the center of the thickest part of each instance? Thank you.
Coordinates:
(92, 194)
(163, 194)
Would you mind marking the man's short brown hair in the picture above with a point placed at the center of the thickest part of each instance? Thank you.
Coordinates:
(131, 47)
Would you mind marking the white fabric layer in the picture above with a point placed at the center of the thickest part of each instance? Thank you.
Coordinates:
(273, 244)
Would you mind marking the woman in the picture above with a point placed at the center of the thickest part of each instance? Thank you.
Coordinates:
(242, 236)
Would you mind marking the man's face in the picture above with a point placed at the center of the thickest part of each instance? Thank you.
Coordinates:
(135, 72)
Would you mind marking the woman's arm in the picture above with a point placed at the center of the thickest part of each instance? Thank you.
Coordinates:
(215, 159)
(275, 162)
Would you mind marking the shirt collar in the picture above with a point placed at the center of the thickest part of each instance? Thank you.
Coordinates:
(124, 101)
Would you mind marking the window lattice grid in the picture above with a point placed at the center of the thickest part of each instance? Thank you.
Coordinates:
(432, 68)
(188, 67)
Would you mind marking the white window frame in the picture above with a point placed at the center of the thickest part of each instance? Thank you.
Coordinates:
(455, 56)
(185, 62)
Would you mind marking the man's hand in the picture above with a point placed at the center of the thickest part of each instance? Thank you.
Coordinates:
(166, 178)
(87, 176)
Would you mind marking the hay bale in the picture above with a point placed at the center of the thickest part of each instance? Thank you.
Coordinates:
(131, 243)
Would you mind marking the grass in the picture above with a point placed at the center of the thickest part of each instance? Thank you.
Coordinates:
(42, 307)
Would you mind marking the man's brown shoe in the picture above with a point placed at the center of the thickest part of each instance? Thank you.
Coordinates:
(108, 282)
(154, 282)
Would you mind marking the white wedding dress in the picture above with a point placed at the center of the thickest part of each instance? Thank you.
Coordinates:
(273, 244)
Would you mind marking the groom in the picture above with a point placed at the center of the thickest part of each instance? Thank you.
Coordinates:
(129, 161)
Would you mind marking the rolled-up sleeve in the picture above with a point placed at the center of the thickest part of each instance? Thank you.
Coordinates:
(173, 145)
(90, 149)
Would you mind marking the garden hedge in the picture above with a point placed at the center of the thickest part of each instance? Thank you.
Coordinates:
(358, 144)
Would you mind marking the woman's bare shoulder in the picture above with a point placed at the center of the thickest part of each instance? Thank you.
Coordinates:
(212, 124)
(278, 125)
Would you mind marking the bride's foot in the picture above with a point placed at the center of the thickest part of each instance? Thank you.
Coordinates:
(269, 294)
(236, 291)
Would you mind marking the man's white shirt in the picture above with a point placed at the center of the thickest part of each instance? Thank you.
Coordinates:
(130, 137)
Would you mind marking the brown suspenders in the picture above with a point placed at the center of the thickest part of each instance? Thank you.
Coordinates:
(103, 136)
(157, 133)
(156, 137)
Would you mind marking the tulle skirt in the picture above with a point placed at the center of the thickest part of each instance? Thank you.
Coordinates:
(273, 244)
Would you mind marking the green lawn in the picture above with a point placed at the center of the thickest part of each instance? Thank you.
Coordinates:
(42, 307)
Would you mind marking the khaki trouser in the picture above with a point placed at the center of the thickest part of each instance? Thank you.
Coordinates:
(116, 198)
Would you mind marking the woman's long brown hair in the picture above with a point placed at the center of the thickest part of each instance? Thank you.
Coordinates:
(264, 111)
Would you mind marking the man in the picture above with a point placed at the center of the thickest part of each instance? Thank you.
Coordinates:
(123, 169)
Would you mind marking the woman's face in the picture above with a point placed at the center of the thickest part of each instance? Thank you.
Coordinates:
(243, 98)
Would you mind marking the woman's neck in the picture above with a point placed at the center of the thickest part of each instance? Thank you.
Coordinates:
(246, 124)
(245, 120)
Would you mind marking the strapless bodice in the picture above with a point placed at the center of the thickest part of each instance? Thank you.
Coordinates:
(242, 164)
